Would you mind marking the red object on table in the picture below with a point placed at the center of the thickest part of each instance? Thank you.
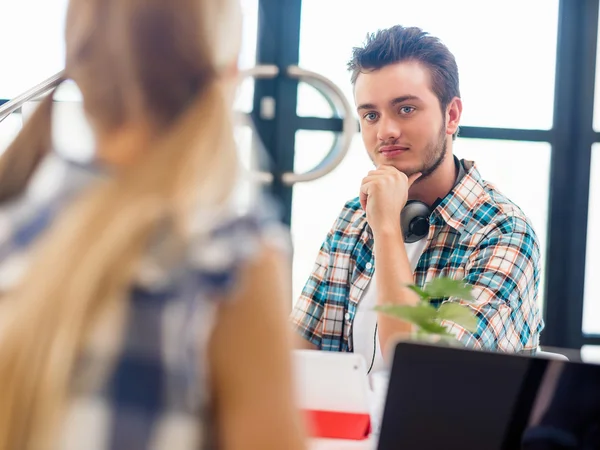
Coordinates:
(338, 425)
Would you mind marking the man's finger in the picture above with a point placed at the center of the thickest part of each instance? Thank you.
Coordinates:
(363, 200)
(371, 178)
(364, 194)
(385, 168)
(364, 187)
(377, 172)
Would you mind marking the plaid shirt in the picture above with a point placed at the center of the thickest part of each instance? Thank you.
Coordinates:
(141, 381)
(475, 234)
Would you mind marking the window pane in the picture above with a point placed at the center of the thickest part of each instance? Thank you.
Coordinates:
(33, 45)
(591, 298)
(32, 57)
(597, 90)
(316, 204)
(590, 354)
(251, 159)
(9, 128)
(248, 54)
(506, 70)
(508, 166)
(311, 103)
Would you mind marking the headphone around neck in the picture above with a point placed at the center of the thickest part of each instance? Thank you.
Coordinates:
(414, 221)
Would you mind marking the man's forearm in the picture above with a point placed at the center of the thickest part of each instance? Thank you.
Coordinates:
(392, 274)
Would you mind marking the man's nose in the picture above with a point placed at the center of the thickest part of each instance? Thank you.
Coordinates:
(389, 129)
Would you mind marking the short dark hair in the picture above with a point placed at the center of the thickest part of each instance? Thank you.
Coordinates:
(397, 44)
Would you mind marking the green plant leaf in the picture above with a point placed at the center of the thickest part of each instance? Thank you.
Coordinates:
(435, 328)
(420, 292)
(424, 316)
(440, 338)
(420, 315)
(447, 287)
(460, 314)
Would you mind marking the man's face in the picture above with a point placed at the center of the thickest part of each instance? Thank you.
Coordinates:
(402, 124)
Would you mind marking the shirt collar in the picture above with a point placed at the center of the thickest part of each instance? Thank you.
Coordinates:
(455, 209)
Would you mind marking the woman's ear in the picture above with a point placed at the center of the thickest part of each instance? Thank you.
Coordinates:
(231, 71)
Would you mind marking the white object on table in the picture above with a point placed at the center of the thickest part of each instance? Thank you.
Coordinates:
(379, 386)
(330, 381)
(340, 444)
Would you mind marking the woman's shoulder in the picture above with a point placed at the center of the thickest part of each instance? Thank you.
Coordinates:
(238, 235)
(220, 241)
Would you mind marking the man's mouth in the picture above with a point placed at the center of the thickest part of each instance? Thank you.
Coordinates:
(390, 151)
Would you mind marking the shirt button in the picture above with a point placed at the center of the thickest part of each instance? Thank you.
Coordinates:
(369, 266)
(347, 316)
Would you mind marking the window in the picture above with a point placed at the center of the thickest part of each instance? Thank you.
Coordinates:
(32, 43)
(33, 50)
(506, 70)
(590, 354)
(591, 298)
(32, 36)
(8, 130)
(248, 54)
(316, 204)
(597, 90)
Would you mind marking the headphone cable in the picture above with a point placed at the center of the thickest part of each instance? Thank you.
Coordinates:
(374, 349)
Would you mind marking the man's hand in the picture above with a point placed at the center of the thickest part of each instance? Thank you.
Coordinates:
(383, 194)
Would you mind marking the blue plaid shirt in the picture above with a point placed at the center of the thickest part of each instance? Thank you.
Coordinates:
(475, 234)
(142, 378)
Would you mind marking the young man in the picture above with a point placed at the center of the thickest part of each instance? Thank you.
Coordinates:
(407, 96)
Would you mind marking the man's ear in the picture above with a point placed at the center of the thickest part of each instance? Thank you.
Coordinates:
(453, 114)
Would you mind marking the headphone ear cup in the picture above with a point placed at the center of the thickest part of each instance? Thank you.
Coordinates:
(414, 221)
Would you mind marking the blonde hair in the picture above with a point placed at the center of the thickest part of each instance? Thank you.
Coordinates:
(157, 59)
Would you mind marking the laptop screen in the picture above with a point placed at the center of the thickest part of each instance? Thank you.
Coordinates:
(442, 397)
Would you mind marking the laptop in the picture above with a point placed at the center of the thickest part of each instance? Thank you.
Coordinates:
(456, 398)
(332, 390)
